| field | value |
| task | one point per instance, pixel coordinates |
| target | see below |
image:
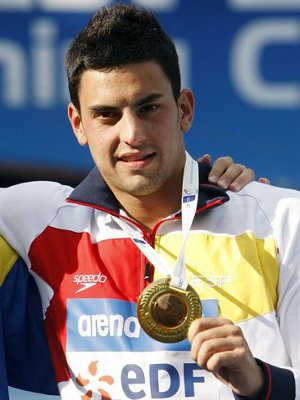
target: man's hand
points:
(228, 175)
(219, 346)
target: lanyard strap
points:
(189, 201)
(145, 247)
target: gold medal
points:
(165, 313)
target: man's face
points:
(133, 127)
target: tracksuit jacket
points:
(242, 257)
(25, 361)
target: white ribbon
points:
(189, 201)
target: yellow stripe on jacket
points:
(8, 257)
(241, 272)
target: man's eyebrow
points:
(148, 99)
(98, 108)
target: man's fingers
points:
(213, 338)
(229, 175)
(218, 169)
(235, 177)
(246, 175)
(264, 180)
(210, 351)
(206, 158)
(203, 324)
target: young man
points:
(25, 362)
(90, 248)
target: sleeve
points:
(287, 225)
(283, 381)
(24, 349)
(3, 376)
(25, 211)
(279, 384)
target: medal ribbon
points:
(189, 201)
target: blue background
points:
(261, 133)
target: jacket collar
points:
(94, 192)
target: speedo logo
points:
(87, 281)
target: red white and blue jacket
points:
(243, 258)
(25, 361)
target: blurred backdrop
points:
(241, 58)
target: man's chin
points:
(142, 188)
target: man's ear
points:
(76, 123)
(186, 104)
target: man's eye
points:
(107, 114)
(149, 108)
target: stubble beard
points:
(142, 185)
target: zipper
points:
(147, 271)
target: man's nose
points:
(132, 129)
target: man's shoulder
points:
(34, 192)
(26, 209)
(267, 193)
(271, 201)
(34, 186)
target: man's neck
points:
(149, 209)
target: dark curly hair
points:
(116, 36)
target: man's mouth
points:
(136, 157)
